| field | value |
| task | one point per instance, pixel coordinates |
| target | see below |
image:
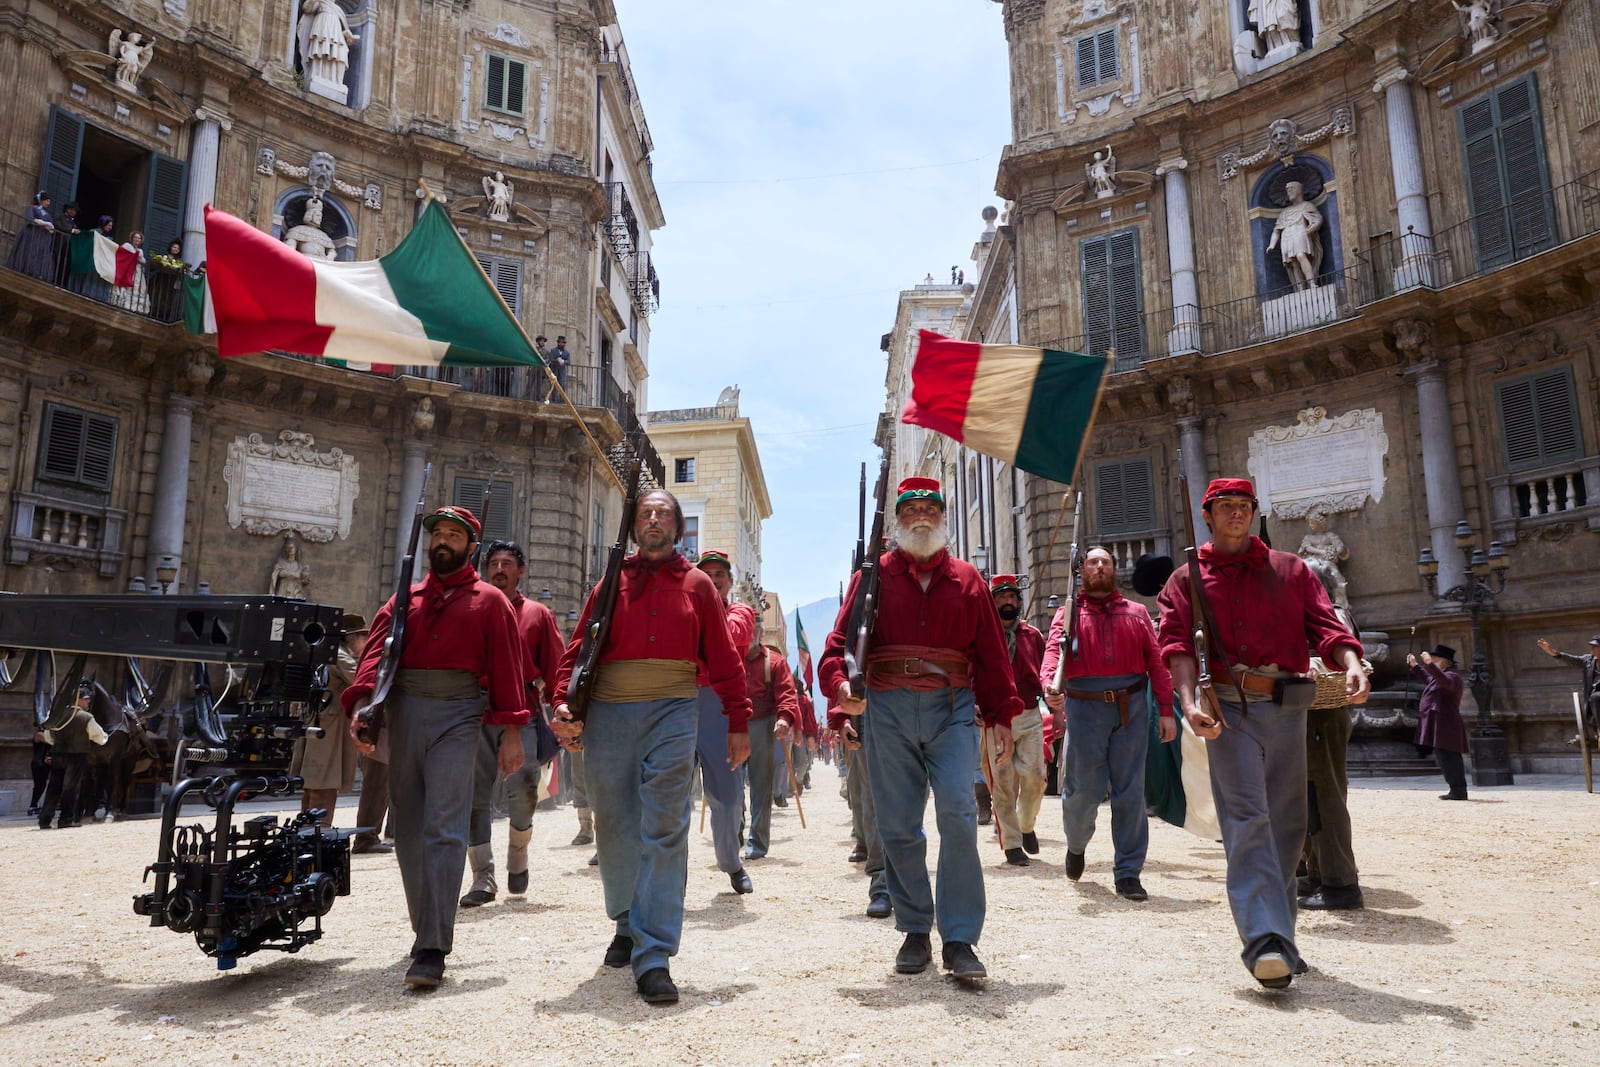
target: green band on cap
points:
(918, 494)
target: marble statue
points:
(1278, 22)
(1296, 233)
(291, 577)
(131, 56)
(1283, 135)
(1102, 172)
(1477, 17)
(1328, 547)
(498, 193)
(309, 238)
(325, 39)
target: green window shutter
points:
(77, 448)
(496, 518)
(1127, 303)
(1124, 497)
(62, 149)
(1095, 256)
(1096, 58)
(1539, 419)
(1106, 47)
(516, 86)
(494, 83)
(163, 205)
(506, 276)
(1088, 66)
(1508, 191)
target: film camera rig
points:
(263, 884)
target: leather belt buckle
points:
(908, 668)
(1109, 696)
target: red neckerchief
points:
(918, 567)
(641, 570)
(439, 588)
(1254, 555)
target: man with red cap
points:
(724, 785)
(1268, 608)
(1016, 786)
(935, 655)
(774, 714)
(458, 630)
(1104, 694)
(669, 628)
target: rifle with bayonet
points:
(1068, 641)
(1206, 643)
(864, 605)
(370, 719)
(581, 689)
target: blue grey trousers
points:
(864, 816)
(431, 748)
(1258, 779)
(639, 763)
(762, 771)
(522, 788)
(915, 741)
(724, 785)
(1100, 751)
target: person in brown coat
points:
(1439, 724)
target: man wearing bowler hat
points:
(458, 630)
(1439, 724)
(1268, 608)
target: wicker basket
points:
(1331, 685)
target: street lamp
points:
(166, 572)
(1485, 580)
(980, 560)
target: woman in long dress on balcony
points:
(32, 252)
(136, 296)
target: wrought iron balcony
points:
(622, 222)
(644, 287)
(157, 292)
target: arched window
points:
(337, 222)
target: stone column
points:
(203, 152)
(1192, 443)
(416, 458)
(1439, 472)
(171, 507)
(1413, 265)
(1185, 335)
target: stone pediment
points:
(1518, 23)
(85, 66)
(471, 209)
(1129, 183)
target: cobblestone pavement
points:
(1479, 944)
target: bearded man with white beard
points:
(936, 654)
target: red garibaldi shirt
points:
(741, 631)
(541, 641)
(1114, 637)
(1268, 606)
(770, 686)
(668, 610)
(808, 715)
(953, 619)
(457, 623)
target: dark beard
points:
(1010, 612)
(445, 560)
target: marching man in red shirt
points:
(774, 713)
(937, 643)
(1269, 611)
(1016, 786)
(458, 629)
(722, 783)
(639, 736)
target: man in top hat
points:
(1590, 665)
(505, 564)
(670, 628)
(327, 764)
(1268, 607)
(774, 714)
(459, 629)
(1439, 724)
(1105, 689)
(723, 784)
(1016, 786)
(936, 655)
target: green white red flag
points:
(1029, 407)
(427, 303)
(804, 652)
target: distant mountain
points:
(817, 618)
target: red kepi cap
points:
(1003, 583)
(1230, 487)
(456, 514)
(919, 489)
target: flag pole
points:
(554, 384)
(1077, 467)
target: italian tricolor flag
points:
(427, 303)
(1030, 407)
(95, 253)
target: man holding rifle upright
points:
(457, 630)
(936, 641)
(1256, 612)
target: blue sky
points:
(780, 281)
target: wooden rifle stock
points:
(1068, 641)
(581, 689)
(864, 606)
(370, 721)
(1205, 626)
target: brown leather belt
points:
(1255, 683)
(1119, 697)
(953, 672)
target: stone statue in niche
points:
(291, 577)
(1102, 173)
(1477, 22)
(1295, 234)
(325, 39)
(1278, 22)
(1328, 547)
(309, 238)
(497, 193)
(131, 56)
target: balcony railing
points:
(57, 526)
(644, 287)
(622, 222)
(157, 292)
(620, 67)
(1567, 492)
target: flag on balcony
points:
(1030, 407)
(95, 253)
(427, 303)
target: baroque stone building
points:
(1349, 248)
(128, 450)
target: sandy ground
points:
(1479, 944)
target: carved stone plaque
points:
(289, 485)
(1332, 463)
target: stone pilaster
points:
(203, 152)
(1439, 474)
(577, 50)
(1414, 266)
(1192, 445)
(411, 470)
(1180, 258)
(171, 505)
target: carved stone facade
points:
(1438, 315)
(164, 438)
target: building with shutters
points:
(126, 446)
(713, 467)
(1425, 356)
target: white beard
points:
(921, 542)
